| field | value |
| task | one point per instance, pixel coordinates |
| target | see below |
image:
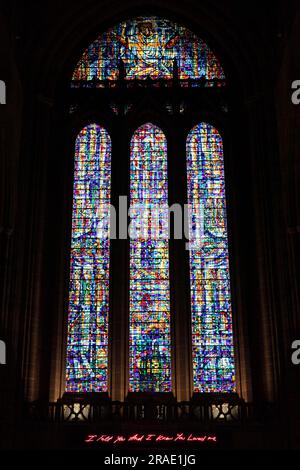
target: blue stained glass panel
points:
(212, 336)
(150, 336)
(87, 346)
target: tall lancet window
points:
(212, 338)
(87, 348)
(149, 337)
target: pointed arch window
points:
(87, 346)
(212, 337)
(150, 335)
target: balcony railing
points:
(218, 413)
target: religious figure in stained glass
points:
(146, 48)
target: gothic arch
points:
(245, 95)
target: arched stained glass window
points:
(87, 348)
(154, 55)
(212, 338)
(150, 337)
(148, 47)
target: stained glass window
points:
(148, 47)
(212, 338)
(150, 341)
(87, 352)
